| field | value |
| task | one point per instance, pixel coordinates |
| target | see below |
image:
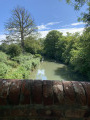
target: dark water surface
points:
(55, 71)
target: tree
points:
(20, 25)
(14, 50)
(77, 3)
(85, 17)
(32, 45)
(51, 43)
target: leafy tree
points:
(77, 3)
(4, 47)
(20, 25)
(70, 41)
(51, 43)
(81, 55)
(14, 50)
(32, 45)
(85, 16)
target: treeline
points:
(72, 49)
(31, 45)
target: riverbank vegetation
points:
(72, 49)
(18, 67)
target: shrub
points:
(14, 50)
(3, 69)
(3, 57)
(38, 55)
(22, 58)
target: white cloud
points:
(74, 24)
(64, 31)
(44, 27)
(2, 37)
(52, 23)
(79, 23)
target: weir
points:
(44, 100)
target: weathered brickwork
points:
(44, 100)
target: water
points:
(55, 71)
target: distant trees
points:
(51, 43)
(32, 45)
(20, 25)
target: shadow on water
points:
(67, 74)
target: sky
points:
(48, 15)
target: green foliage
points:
(73, 49)
(22, 58)
(38, 56)
(18, 67)
(14, 50)
(32, 45)
(3, 57)
(51, 43)
(81, 55)
(4, 47)
(3, 69)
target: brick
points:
(86, 86)
(69, 94)
(79, 93)
(14, 93)
(58, 92)
(4, 91)
(47, 92)
(25, 92)
(37, 92)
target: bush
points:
(3, 69)
(3, 57)
(4, 47)
(14, 50)
(38, 56)
(22, 58)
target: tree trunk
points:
(22, 42)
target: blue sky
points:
(48, 15)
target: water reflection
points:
(41, 74)
(55, 71)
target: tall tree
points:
(51, 43)
(20, 25)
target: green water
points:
(54, 71)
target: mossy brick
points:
(69, 94)
(47, 92)
(14, 92)
(25, 94)
(79, 93)
(37, 92)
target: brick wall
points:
(44, 100)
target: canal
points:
(48, 70)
